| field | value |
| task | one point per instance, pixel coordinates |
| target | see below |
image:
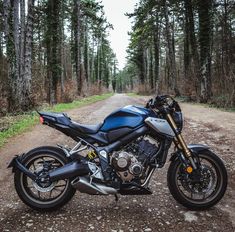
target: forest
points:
(182, 47)
(52, 51)
(56, 51)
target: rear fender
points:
(194, 148)
(16, 162)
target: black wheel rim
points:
(205, 190)
(46, 193)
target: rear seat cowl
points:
(61, 118)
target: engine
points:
(133, 160)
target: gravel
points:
(156, 212)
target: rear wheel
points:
(201, 189)
(43, 195)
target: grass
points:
(132, 94)
(139, 94)
(227, 109)
(207, 105)
(24, 122)
(76, 104)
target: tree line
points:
(53, 51)
(182, 47)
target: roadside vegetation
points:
(133, 94)
(14, 125)
(209, 105)
(184, 48)
(187, 100)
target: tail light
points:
(41, 119)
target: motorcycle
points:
(119, 156)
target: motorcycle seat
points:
(87, 129)
(63, 119)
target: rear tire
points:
(28, 194)
(180, 189)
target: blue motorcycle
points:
(119, 156)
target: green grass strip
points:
(133, 95)
(27, 121)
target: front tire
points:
(43, 196)
(198, 193)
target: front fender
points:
(194, 148)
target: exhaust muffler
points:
(84, 185)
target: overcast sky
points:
(114, 11)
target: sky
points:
(114, 11)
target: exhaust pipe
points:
(83, 185)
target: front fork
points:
(179, 141)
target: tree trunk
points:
(77, 42)
(53, 48)
(171, 51)
(22, 44)
(17, 49)
(63, 55)
(27, 83)
(6, 9)
(191, 58)
(141, 64)
(92, 61)
(205, 35)
(187, 55)
(100, 60)
(86, 53)
(151, 79)
(11, 9)
(156, 39)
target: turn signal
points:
(189, 169)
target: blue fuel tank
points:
(128, 116)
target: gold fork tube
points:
(179, 137)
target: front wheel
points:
(201, 189)
(47, 195)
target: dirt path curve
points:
(157, 212)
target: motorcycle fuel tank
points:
(128, 116)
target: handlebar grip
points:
(150, 103)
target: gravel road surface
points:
(157, 212)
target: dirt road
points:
(157, 212)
